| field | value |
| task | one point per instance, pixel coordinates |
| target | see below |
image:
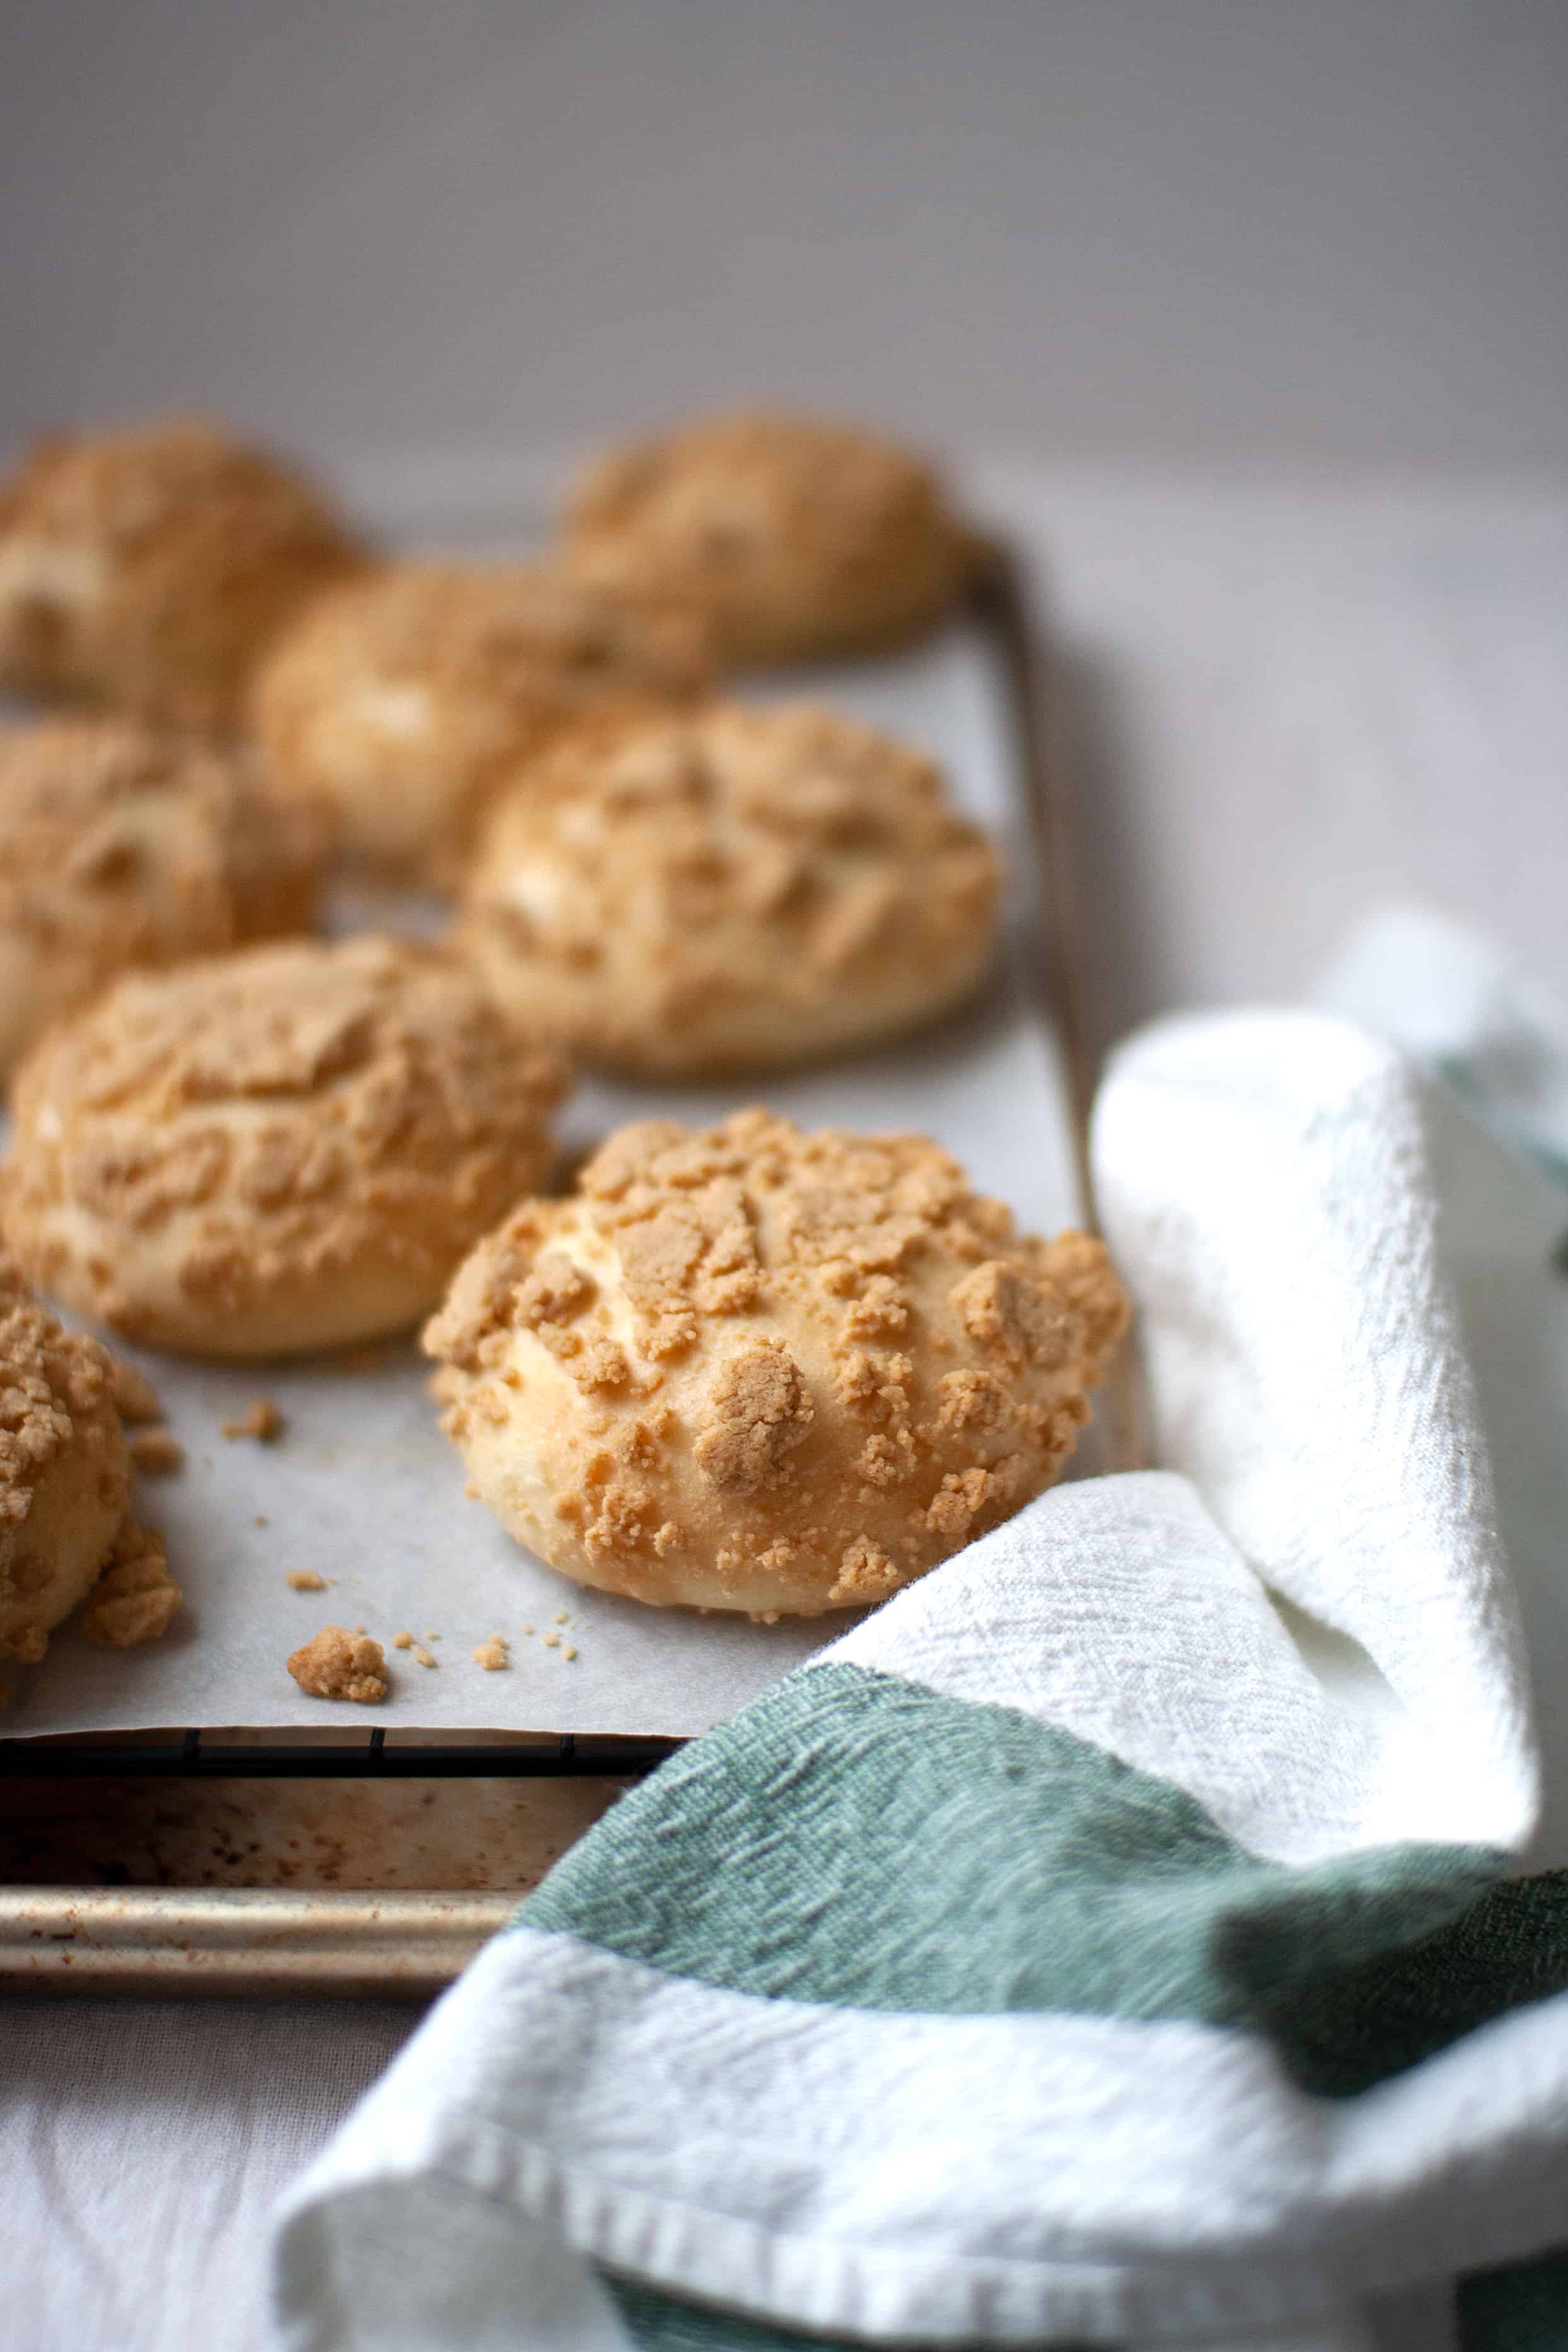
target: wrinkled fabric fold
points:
(1113, 1940)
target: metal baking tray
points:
(193, 1861)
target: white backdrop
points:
(1177, 227)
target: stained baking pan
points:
(278, 1858)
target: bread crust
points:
(686, 895)
(279, 1151)
(793, 537)
(396, 704)
(144, 571)
(124, 847)
(752, 1369)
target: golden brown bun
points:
(754, 1369)
(145, 570)
(791, 537)
(125, 847)
(396, 704)
(65, 1472)
(287, 1149)
(683, 895)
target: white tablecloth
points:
(1283, 701)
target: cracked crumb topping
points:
(52, 1382)
(752, 1367)
(792, 536)
(288, 1147)
(729, 886)
(65, 1475)
(136, 1598)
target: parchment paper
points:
(363, 1489)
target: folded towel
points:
(1118, 1938)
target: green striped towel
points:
(1122, 1938)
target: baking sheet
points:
(365, 1490)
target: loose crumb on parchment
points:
(493, 1654)
(135, 1398)
(157, 1453)
(305, 1580)
(424, 1657)
(263, 1421)
(403, 1639)
(342, 1665)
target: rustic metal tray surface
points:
(191, 1859)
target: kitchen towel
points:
(1138, 1932)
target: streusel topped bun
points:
(397, 703)
(65, 1472)
(286, 1148)
(145, 570)
(753, 1369)
(792, 537)
(728, 889)
(123, 847)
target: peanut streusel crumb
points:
(263, 1421)
(135, 1398)
(493, 1654)
(135, 1598)
(156, 1453)
(65, 1475)
(305, 1580)
(403, 1639)
(338, 1665)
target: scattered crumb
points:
(424, 1657)
(552, 1640)
(493, 1654)
(764, 1616)
(261, 1520)
(135, 1597)
(402, 1641)
(157, 1453)
(305, 1580)
(528, 1628)
(263, 1421)
(560, 1617)
(340, 1664)
(135, 1398)
(570, 1651)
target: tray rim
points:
(60, 1939)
